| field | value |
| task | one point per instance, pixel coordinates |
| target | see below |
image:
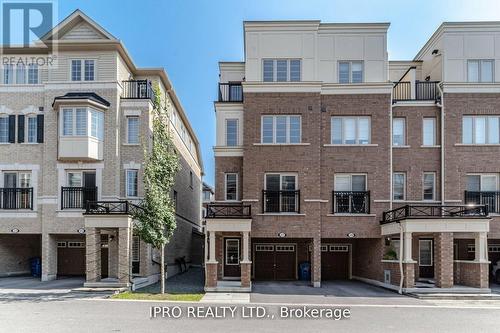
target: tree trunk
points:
(162, 269)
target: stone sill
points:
(472, 262)
(477, 145)
(434, 146)
(281, 144)
(401, 147)
(353, 215)
(350, 145)
(280, 214)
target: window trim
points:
(82, 69)
(127, 183)
(350, 71)
(26, 128)
(420, 252)
(479, 71)
(434, 132)
(356, 129)
(275, 69)
(433, 173)
(237, 131)
(225, 251)
(404, 185)
(350, 180)
(127, 130)
(486, 131)
(6, 117)
(481, 175)
(287, 130)
(89, 111)
(14, 76)
(282, 174)
(237, 186)
(404, 131)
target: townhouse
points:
(332, 157)
(73, 135)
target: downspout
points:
(401, 247)
(441, 105)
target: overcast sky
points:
(189, 38)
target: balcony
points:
(419, 91)
(351, 202)
(16, 198)
(138, 89)
(228, 211)
(121, 207)
(281, 201)
(77, 197)
(230, 92)
(491, 199)
(434, 212)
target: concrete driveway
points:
(331, 292)
(30, 288)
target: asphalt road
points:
(99, 315)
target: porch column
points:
(443, 256)
(113, 255)
(211, 257)
(124, 264)
(245, 264)
(481, 244)
(93, 254)
(211, 265)
(316, 263)
(49, 257)
(408, 262)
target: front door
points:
(89, 193)
(426, 258)
(232, 267)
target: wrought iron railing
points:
(16, 198)
(281, 201)
(138, 89)
(119, 207)
(228, 211)
(77, 197)
(351, 202)
(488, 198)
(230, 92)
(424, 91)
(434, 211)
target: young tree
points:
(155, 222)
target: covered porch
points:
(421, 243)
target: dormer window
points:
(82, 70)
(84, 121)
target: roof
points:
(91, 96)
(207, 187)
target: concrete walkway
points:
(228, 298)
(189, 282)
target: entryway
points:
(232, 251)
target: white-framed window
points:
(399, 131)
(471, 248)
(82, 70)
(350, 130)
(494, 248)
(74, 179)
(429, 131)
(429, 186)
(136, 246)
(264, 247)
(482, 182)
(399, 186)
(232, 251)
(82, 121)
(13, 179)
(350, 182)
(481, 130)
(231, 186)
(280, 182)
(324, 248)
(76, 244)
(61, 244)
(395, 244)
(8, 73)
(339, 248)
(33, 74)
(20, 74)
(131, 182)
(281, 70)
(285, 248)
(350, 71)
(281, 129)
(4, 129)
(231, 132)
(133, 129)
(31, 125)
(480, 70)
(425, 252)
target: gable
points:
(83, 30)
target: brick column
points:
(210, 274)
(409, 272)
(443, 257)
(93, 254)
(124, 265)
(316, 263)
(246, 271)
(49, 257)
(113, 255)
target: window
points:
(281, 70)
(398, 131)
(395, 244)
(206, 195)
(81, 121)
(33, 74)
(264, 248)
(281, 129)
(485, 182)
(281, 182)
(429, 132)
(350, 72)
(75, 122)
(191, 179)
(61, 244)
(20, 74)
(32, 128)
(231, 132)
(85, 71)
(89, 70)
(232, 251)
(339, 248)
(350, 130)
(429, 185)
(76, 244)
(481, 130)
(231, 186)
(76, 70)
(8, 74)
(347, 183)
(480, 70)
(4, 129)
(74, 179)
(425, 252)
(131, 183)
(399, 186)
(133, 130)
(285, 248)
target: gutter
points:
(441, 105)
(401, 247)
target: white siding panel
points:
(83, 31)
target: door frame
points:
(349, 263)
(224, 245)
(274, 251)
(431, 240)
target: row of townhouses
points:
(72, 140)
(330, 157)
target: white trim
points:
(287, 129)
(434, 192)
(478, 145)
(350, 215)
(315, 200)
(126, 183)
(228, 151)
(20, 214)
(281, 214)
(281, 144)
(400, 147)
(225, 186)
(414, 103)
(420, 252)
(350, 145)
(434, 131)
(404, 185)
(471, 87)
(350, 62)
(132, 165)
(356, 120)
(82, 68)
(127, 118)
(132, 113)
(31, 109)
(237, 131)
(250, 200)
(225, 251)
(356, 88)
(260, 87)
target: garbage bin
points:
(305, 271)
(36, 266)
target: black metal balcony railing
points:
(77, 197)
(230, 92)
(488, 198)
(351, 202)
(228, 211)
(111, 207)
(138, 89)
(16, 198)
(424, 91)
(434, 211)
(281, 201)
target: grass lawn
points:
(158, 297)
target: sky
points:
(188, 38)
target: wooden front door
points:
(232, 251)
(426, 258)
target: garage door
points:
(334, 262)
(275, 261)
(70, 258)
